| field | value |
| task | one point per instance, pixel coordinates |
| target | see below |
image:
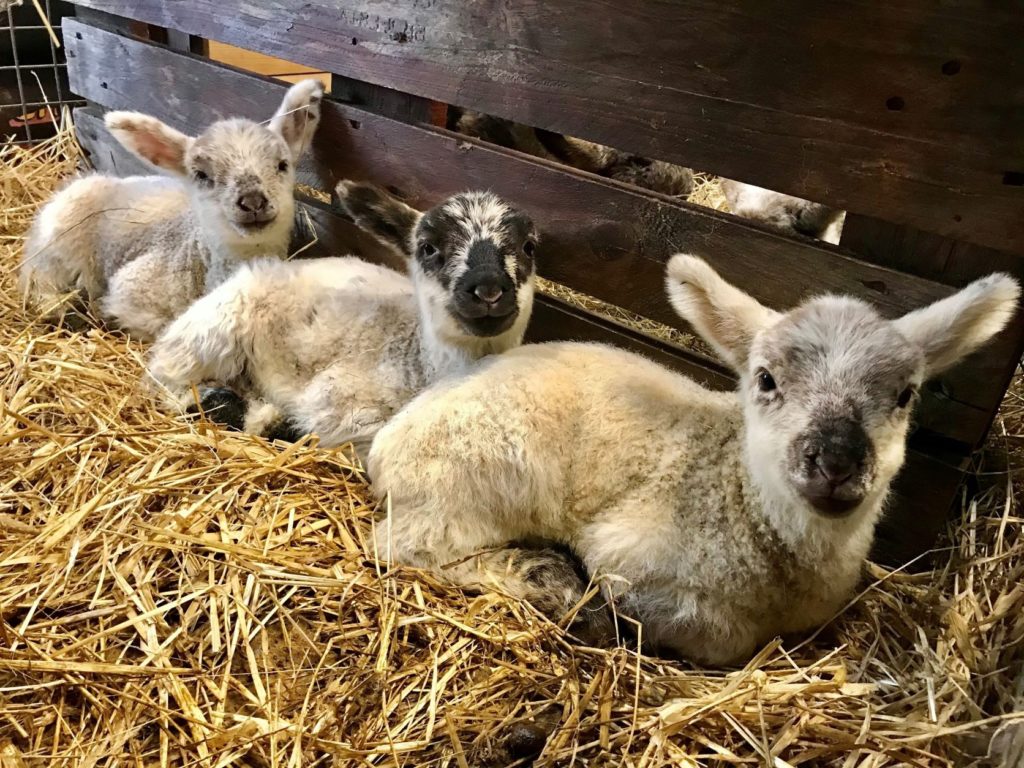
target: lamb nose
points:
(488, 293)
(252, 202)
(834, 468)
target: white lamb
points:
(336, 346)
(717, 519)
(137, 251)
(792, 215)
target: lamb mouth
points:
(255, 225)
(488, 325)
(833, 506)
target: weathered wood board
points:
(907, 110)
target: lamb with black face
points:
(480, 252)
(336, 346)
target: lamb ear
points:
(299, 115)
(385, 217)
(952, 328)
(150, 139)
(725, 316)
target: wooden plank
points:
(602, 238)
(380, 100)
(907, 110)
(924, 495)
(925, 254)
(101, 150)
(557, 320)
(954, 263)
(920, 500)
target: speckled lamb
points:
(717, 519)
(336, 346)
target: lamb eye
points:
(428, 251)
(905, 397)
(765, 382)
(529, 248)
(282, 167)
(202, 176)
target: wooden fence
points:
(910, 115)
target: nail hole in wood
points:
(78, 35)
(940, 389)
(957, 218)
(103, 85)
(951, 67)
(875, 285)
(355, 41)
(1013, 178)
(895, 103)
(355, 124)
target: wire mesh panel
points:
(33, 70)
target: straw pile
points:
(174, 595)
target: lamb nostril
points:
(488, 293)
(835, 469)
(252, 202)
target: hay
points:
(707, 191)
(174, 595)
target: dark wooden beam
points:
(383, 101)
(952, 262)
(908, 110)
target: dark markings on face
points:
(480, 251)
(813, 352)
(522, 235)
(448, 228)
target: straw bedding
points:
(174, 595)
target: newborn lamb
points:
(336, 346)
(137, 251)
(717, 519)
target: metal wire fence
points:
(33, 70)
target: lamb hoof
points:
(222, 406)
(75, 322)
(286, 431)
(593, 625)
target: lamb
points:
(791, 215)
(336, 346)
(717, 519)
(137, 251)
(787, 214)
(628, 168)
